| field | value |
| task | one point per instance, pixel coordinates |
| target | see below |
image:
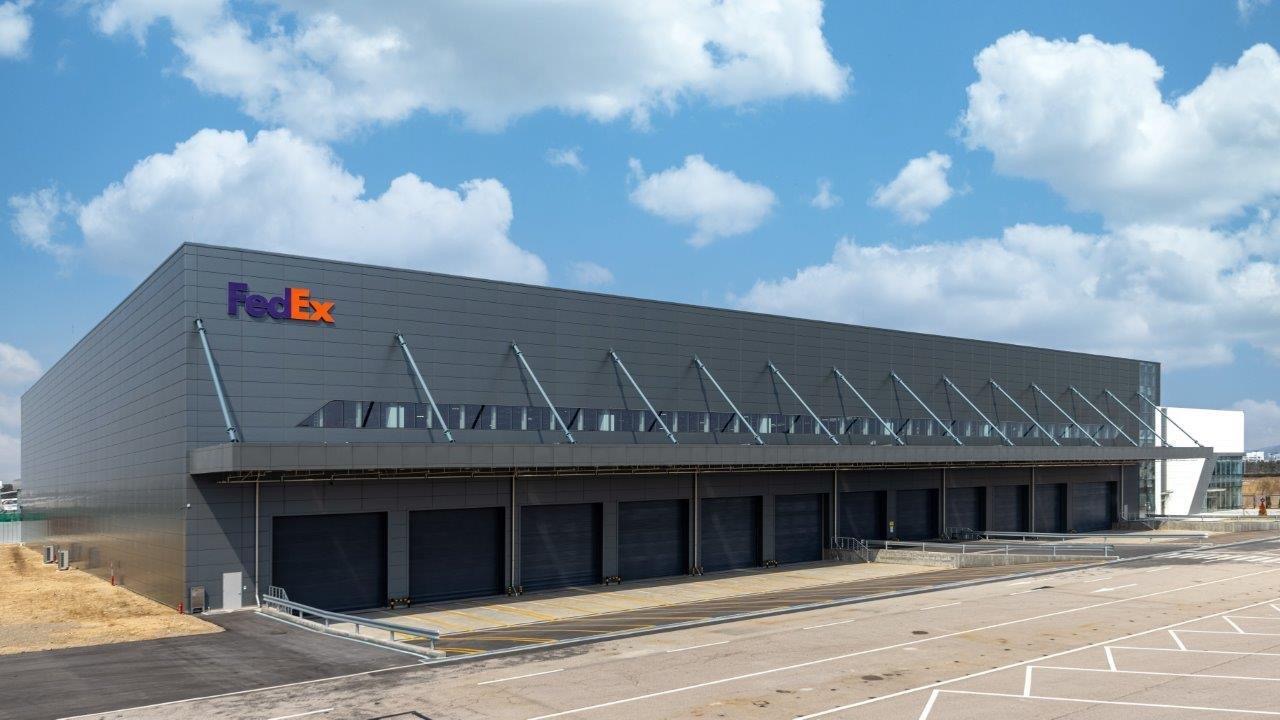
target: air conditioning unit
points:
(64, 559)
(50, 554)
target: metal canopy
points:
(232, 432)
(618, 361)
(408, 356)
(927, 409)
(1104, 417)
(1065, 414)
(982, 415)
(879, 419)
(1023, 410)
(1136, 416)
(554, 412)
(1166, 417)
(777, 373)
(741, 418)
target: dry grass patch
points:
(42, 608)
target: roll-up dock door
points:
(730, 533)
(560, 546)
(862, 514)
(333, 562)
(1051, 508)
(917, 514)
(1093, 505)
(1010, 508)
(456, 553)
(798, 528)
(653, 538)
(966, 508)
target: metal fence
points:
(276, 599)
(16, 531)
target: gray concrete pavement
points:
(881, 659)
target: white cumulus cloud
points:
(17, 366)
(37, 218)
(1088, 118)
(1261, 423)
(919, 189)
(567, 157)
(15, 28)
(716, 202)
(326, 68)
(1176, 295)
(825, 199)
(279, 192)
(588, 274)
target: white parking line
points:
(695, 647)
(1118, 587)
(908, 643)
(838, 622)
(303, 714)
(1123, 703)
(935, 607)
(1108, 577)
(520, 677)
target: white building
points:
(1186, 487)
(1255, 456)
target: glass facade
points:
(1226, 485)
(1148, 387)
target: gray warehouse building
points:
(354, 433)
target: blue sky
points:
(1094, 194)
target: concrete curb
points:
(775, 612)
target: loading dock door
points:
(862, 514)
(1051, 508)
(1094, 505)
(653, 538)
(797, 528)
(730, 533)
(917, 515)
(1010, 509)
(560, 545)
(456, 553)
(333, 562)
(966, 508)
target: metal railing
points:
(277, 599)
(1030, 536)
(1102, 550)
(856, 546)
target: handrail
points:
(1026, 536)
(328, 617)
(1067, 549)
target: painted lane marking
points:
(1117, 587)
(1021, 582)
(303, 714)
(1108, 577)
(520, 677)
(695, 647)
(982, 673)
(907, 644)
(838, 622)
(935, 607)
(1024, 592)
(1122, 703)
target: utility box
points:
(64, 559)
(197, 599)
(50, 554)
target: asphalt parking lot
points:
(881, 658)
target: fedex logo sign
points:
(295, 304)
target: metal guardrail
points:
(327, 618)
(1027, 536)
(1051, 549)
